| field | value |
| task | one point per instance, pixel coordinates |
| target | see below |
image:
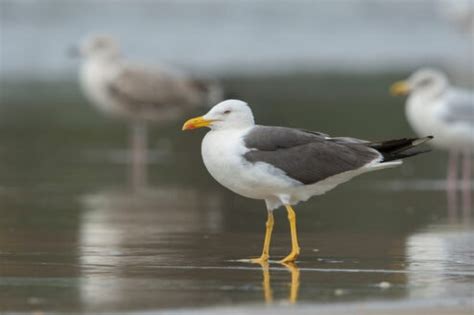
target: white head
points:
(427, 81)
(100, 46)
(229, 114)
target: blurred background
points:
(75, 237)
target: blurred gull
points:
(459, 12)
(138, 93)
(285, 166)
(437, 108)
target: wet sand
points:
(75, 238)
(367, 308)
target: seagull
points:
(138, 93)
(459, 12)
(285, 166)
(437, 108)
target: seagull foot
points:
(290, 258)
(260, 260)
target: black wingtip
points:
(418, 141)
(401, 148)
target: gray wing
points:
(306, 156)
(458, 107)
(140, 86)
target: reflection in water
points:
(267, 288)
(294, 283)
(136, 160)
(171, 247)
(131, 255)
(434, 256)
(457, 211)
(121, 230)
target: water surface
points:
(74, 237)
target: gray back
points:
(306, 156)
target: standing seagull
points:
(284, 166)
(138, 94)
(459, 12)
(434, 107)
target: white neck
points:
(433, 91)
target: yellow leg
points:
(266, 243)
(295, 248)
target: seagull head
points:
(229, 114)
(425, 80)
(99, 46)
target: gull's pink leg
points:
(466, 193)
(138, 139)
(452, 177)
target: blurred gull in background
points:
(437, 108)
(139, 93)
(459, 12)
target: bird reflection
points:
(267, 288)
(121, 232)
(436, 260)
(294, 283)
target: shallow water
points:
(73, 236)
(174, 248)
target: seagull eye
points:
(99, 44)
(426, 81)
(227, 112)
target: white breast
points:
(95, 77)
(222, 153)
(420, 115)
(424, 115)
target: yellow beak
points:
(400, 88)
(195, 123)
